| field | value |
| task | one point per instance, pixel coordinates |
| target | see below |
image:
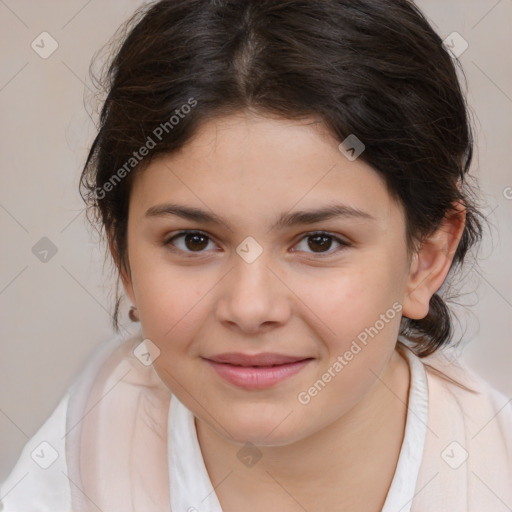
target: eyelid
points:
(340, 240)
(168, 239)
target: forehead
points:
(252, 165)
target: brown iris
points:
(196, 241)
(319, 243)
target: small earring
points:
(134, 317)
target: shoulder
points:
(45, 473)
(467, 457)
(453, 379)
(455, 388)
(39, 476)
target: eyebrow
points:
(285, 220)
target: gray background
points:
(54, 314)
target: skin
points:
(197, 299)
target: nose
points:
(253, 297)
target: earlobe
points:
(431, 262)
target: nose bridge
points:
(254, 276)
(252, 294)
(252, 261)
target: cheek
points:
(362, 310)
(359, 312)
(170, 300)
(173, 307)
(349, 300)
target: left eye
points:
(320, 242)
(196, 241)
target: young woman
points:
(283, 187)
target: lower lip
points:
(249, 377)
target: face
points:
(248, 274)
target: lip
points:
(261, 359)
(258, 371)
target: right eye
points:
(189, 241)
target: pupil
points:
(195, 239)
(320, 240)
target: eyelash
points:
(310, 234)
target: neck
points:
(352, 460)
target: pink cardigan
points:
(467, 462)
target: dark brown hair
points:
(373, 68)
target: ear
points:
(125, 277)
(431, 262)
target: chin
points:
(262, 438)
(260, 430)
